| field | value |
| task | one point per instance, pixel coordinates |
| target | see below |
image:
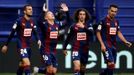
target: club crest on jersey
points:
(50, 28)
(23, 24)
(27, 32)
(31, 24)
(54, 34)
(116, 24)
(112, 30)
(76, 28)
(108, 24)
(81, 36)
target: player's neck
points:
(26, 17)
(51, 22)
(111, 18)
(81, 22)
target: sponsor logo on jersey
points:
(54, 34)
(81, 36)
(27, 32)
(112, 30)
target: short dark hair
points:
(88, 16)
(113, 5)
(25, 6)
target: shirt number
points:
(75, 53)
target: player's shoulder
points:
(19, 19)
(101, 21)
(73, 25)
(116, 20)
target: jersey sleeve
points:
(36, 33)
(90, 31)
(89, 28)
(100, 26)
(118, 28)
(69, 37)
(14, 28)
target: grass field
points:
(71, 74)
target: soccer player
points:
(62, 19)
(107, 31)
(49, 31)
(24, 27)
(79, 33)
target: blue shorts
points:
(50, 59)
(25, 53)
(83, 57)
(110, 55)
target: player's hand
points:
(129, 44)
(45, 9)
(65, 52)
(4, 49)
(64, 7)
(103, 48)
(39, 43)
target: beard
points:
(29, 15)
(82, 20)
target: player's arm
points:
(66, 42)
(90, 32)
(66, 10)
(122, 38)
(98, 34)
(4, 48)
(37, 36)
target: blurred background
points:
(10, 10)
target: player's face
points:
(112, 12)
(82, 16)
(50, 15)
(28, 11)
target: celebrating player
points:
(80, 34)
(107, 31)
(24, 27)
(61, 19)
(49, 31)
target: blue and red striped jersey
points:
(79, 38)
(109, 29)
(24, 29)
(49, 36)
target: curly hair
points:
(76, 14)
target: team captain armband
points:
(81, 36)
(54, 34)
(27, 32)
(112, 30)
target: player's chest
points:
(81, 34)
(52, 32)
(26, 29)
(111, 28)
